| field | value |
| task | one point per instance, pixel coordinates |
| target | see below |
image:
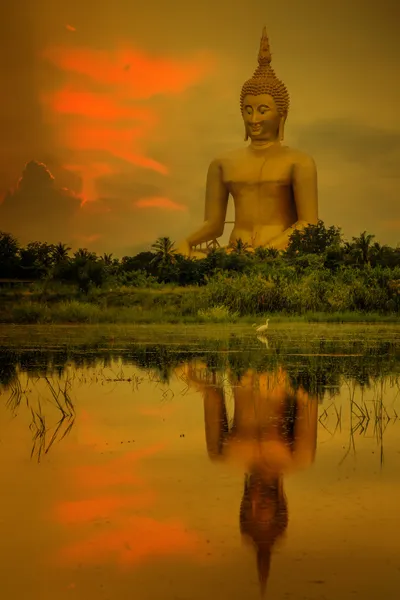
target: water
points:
(211, 471)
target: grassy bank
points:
(80, 312)
(239, 299)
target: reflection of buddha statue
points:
(274, 187)
(273, 432)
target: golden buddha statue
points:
(274, 187)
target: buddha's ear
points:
(246, 135)
(281, 130)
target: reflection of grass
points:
(17, 393)
(40, 430)
(44, 435)
(119, 337)
(64, 405)
(315, 359)
(321, 375)
(365, 416)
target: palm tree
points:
(84, 255)
(363, 243)
(164, 257)
(60, 252)
(9, 249)
(107, 259)
(272, 252)
(261, 252)
(164, 251)
(352, 254)
(239, 247)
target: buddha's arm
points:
(306, 198)
(215, 207)
(305, 442)
(216, 422)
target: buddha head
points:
(263, 518)
(264, 100)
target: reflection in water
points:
(272, 432)
(128, 498)
(264, 340)
(43, 434)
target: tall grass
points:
(319, 295)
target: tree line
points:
(315, 248)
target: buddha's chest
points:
(256, 170)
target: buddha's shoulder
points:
(298, 156)
(230, 155)
(294, 155)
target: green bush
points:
(74, 311)
(30, 313)
(217, 314)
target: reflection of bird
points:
(261, 327)
(264, 340)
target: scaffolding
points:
(210, 244)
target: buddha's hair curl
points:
(264, 80)
(274, 88)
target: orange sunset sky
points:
(128, 102)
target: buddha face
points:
(261, 118)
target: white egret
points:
(261, 327)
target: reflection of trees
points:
(8, 368)
(158, 358)
(318, 367)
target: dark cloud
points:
(359, 172)
(63, 176)
(38, 209)
(353, 142)
(127, 187)
(23, 133)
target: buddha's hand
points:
(184, 248)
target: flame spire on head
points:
(264, 54)
(264, 80)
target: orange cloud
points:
(93, 113)
(91, 105)
(87, 239)
(131, 538)
(135, 541)
(114, 472)
(96, 508)
(159, 202)
(118, 142)
(133, 73)
(92, 172)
